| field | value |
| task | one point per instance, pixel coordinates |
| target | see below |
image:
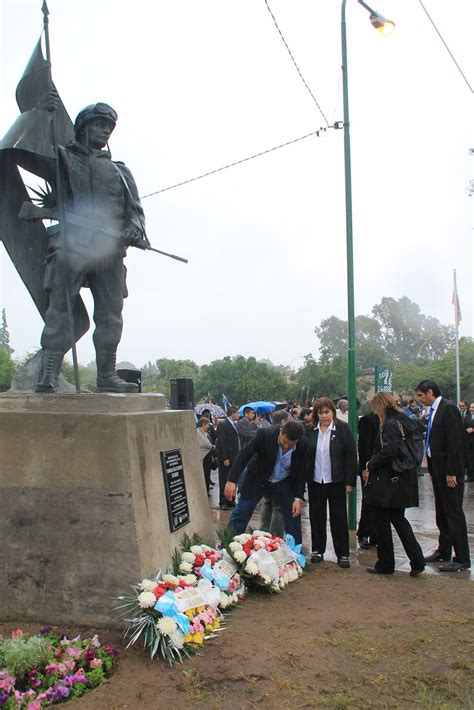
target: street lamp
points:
(385, 27)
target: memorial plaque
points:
(175, 488)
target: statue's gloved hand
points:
(49, 102)
(135, 238)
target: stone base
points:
(83, 511)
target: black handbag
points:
(385, 490)
(406, 458)
(394, 489)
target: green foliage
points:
(7, 369)
(324, 378)
(20, 655)
(4, 334)
(244, 380)
(156, 376)
(442, 370)
(408, 334)
(397, 332)
(87, 374)
(95, 677)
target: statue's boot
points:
(107, 378)
(52, 361)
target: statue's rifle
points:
(59, 199)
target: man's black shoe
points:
(225, 506)
(374, 570)
(344, 562)
(454, 567)
(317, 557)
(416, 571)
(438, 557)
(364, 543)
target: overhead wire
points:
(446, 46)
(336, 125)
(243, 160)
(295, 63)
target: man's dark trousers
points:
(285, 494)
(450, 518)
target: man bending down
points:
(275, 460)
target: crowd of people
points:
(296, 454)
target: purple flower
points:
(59, 693)
(88, 654)
(3, 698)
(45, 630)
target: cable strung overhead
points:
(317, 133)
(296, 65)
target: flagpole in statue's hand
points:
(51, 103)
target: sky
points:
(198, 85)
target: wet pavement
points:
(422, 520)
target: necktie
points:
(428, 431)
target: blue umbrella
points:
(259, 407)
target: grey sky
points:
(201, 83)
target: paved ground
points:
(422, 520)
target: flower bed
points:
(47, 668)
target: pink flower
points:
(95, 663)
(95, 641)
(18, 634)
(74, 652)
(34, 705)
(7, 682)
(52, 668)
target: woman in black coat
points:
(331, 474)
(390, 492)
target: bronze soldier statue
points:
(99, 215)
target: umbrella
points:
(214, 409)
(260, 407)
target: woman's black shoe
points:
(416, 571)
(374, 570)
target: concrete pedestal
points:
(83, 512)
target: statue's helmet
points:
(99, 110)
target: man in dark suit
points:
(445, 454)
(275, 460)
(368, 427)
(228, 446)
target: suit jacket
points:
(342, 452)
(247, 430)
(260, 457)
(227, 442)
(447, 443)
(368, 428)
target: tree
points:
(328, 379)
(87, 374)
(156, 376)
(244, 380)
(7, 368)
(406, 376)
(408, 334)
(397, 332)
(333, 338)
(4, 335)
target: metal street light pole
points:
(385, 27)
